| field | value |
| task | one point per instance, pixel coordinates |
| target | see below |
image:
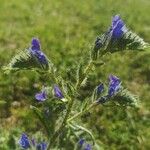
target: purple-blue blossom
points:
(88, 147)
(117, 27)
(57, 92)
(41, 146)
(35, 44)
(24, 141)
(114, 85)
(100, 88)
(81, 142)
(42, 96)
(35, 50)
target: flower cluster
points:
(113, 89)
(25, 143)
(115, 31)
(35, 50)
(35, 58)
(42, 96)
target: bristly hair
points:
(117, 38)
(31, 58)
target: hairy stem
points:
(58, 132)
(82, 112)
(86, 71)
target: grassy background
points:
(67, 29)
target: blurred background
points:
(67, 30)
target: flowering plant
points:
(59, 106)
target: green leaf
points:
(42, 119)
(128, 41)
(126, 98)
(2, 102)
(24, 60)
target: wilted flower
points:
(41, 146)
(100, 88)
(42, 96)
(35, 50)
(117, 28)
(57, 92)
(114, 85)
(24, 141)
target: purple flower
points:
(42, 96)
(57, 92)
(35, 45)
(117, 27)
(100, 88)
(35, 50)
(88, 147)
(24, 141)
(81, 142)
(41, 146)
(114, 85)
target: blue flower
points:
(57, 92)
(35, 45)
(114, 85)
(117, 27)
(100, 88)
(81, 142)
(24, 141)
(35, 50)
(42, 96)
(88, 147)
(41, 146)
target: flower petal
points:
(57, 92)
(42, 96)
(41, 146)
(100, 88)
(24, 141)
(114, 85)
(35, 44)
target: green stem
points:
(86, 71)
(57, 133)
(82, 112)
(88, 67)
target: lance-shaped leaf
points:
(126, 98)
(31, 58)
(117, 38)
(42, 119)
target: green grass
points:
(67, 29)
